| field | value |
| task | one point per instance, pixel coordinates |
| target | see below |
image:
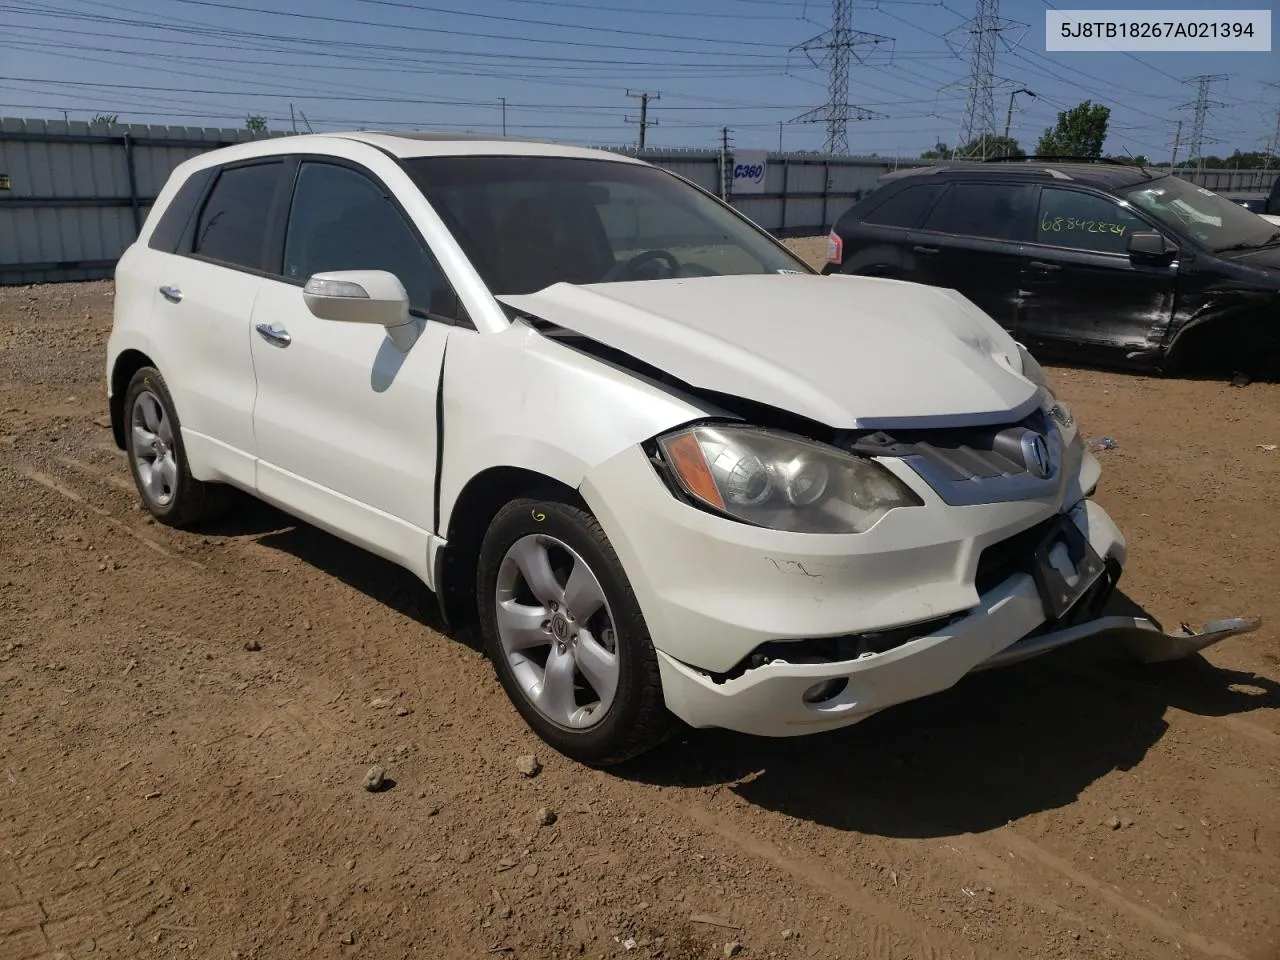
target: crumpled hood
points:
(849, 352)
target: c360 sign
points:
(749, 168)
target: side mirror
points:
(1150, 247)
(363, 296)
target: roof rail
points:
(1049, 158)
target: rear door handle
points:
(1041, 267)
(922, 249)
(172, 294)
(278, 336)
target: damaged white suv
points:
(666, 468)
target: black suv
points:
(1099, 262)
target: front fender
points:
(520, 399)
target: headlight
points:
(1054, 407)
(781, 481)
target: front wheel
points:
(566, 635)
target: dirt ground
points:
(186, 718)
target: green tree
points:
(988, 145)
(1080, 132)
(255, 124)
(105, 119)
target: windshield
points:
(528, 222)
(1208, 218)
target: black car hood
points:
(1265, 260)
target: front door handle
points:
(170, 293)
(918, 248)
(1041, 267)
(278, 336)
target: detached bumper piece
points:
(1143, 639)
(1074, 606)
(1147, 643)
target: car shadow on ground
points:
(379, 579)
(1000, 745)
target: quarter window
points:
(1082, 221)
(343, 220)
(904, 209)
(173, 221)
(232, 227)
(992, 211)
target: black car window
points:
(173, 221)
(905, 208)
(992, 211)
(233, 224)
(343, 220)
(1083, 221)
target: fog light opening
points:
(825, 690)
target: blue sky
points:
(564, 68)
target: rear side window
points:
(992, 211)
(1085, 222)
(232, 227)
(905, 208)
(173, 222)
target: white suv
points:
(665, 468)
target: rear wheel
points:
(566, 635)
(158, 460)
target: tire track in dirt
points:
(891, 927)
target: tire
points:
(170, 493)
(635, 718)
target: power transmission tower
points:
(977, 36)
(1201, 106)
(1177, 142)
(643, 120)
(833, 49)
(1273, 142)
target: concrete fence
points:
(72, 197)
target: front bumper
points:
(712, 591)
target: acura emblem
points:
(1035, 453)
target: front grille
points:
(1001, 560)
(969, 465)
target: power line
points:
(838, 45)
(210, 30)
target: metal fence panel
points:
(76, 195)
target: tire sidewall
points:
(634, 647)
(148, 379)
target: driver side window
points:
(343, 220)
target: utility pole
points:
(503, 101)
(1201, 107)
(779, 136)
(1177, 142)
(293, 121)
(1273, 146)
(725, 178)
(644, 120)
(1008, 117)
(837, 45)
(977, 36)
